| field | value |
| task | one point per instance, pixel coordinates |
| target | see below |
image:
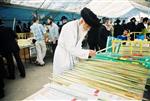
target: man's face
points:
(64, 21)
(125, 32)
(37, 21)
(145, 22)
(49, 21)
(86, 27)
(109, 23)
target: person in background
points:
(10, 48)
(2, 69)
(148, 29)
(2, 75)
(131, 26)
(124, 36)
(19, 28)
(141, 26)
(103, 20)
(105, 31)
(25, 28)
(141, 19)
(28, 26)
(118, 29)
(124, 25)
(53, 33)
(69, 49)
(63, 20)
(39, 39)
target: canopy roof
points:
(67, 5)
(108, 8)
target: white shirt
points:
(53, 33)
(69, 48)
(38, 31)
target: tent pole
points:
(14, 24)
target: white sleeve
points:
(70, 40)
(42, 29)
(31, 30)
(56, 32)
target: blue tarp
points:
(25, 14)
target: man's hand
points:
(92, 53)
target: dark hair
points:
(105, 20)
(126, 30)
(64, 18)
(35, 19)
(145, 19)
(50, 18)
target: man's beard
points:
(50, 23)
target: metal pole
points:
(14, 24)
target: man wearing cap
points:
(64, 20)
(69, 47)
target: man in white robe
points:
(70, 40)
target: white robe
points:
(69, 48)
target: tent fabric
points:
(107, 8)
(113, 8)
(117, 8)
(66, 5)
(58, 8)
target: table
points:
(25, 45)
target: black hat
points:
(145, 19)
(133, 19)
(117, 21)
(89, 17)
(64, 18)
(1, 22)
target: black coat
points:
(132, 26)
(93, 35)
(92, 38)
(8, 41)
(140, 27)
(118, 30)
(103, 34)
(19, 28)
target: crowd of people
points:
(97, 37)
(10, 49)
(66, 41)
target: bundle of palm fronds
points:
(127, 80)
